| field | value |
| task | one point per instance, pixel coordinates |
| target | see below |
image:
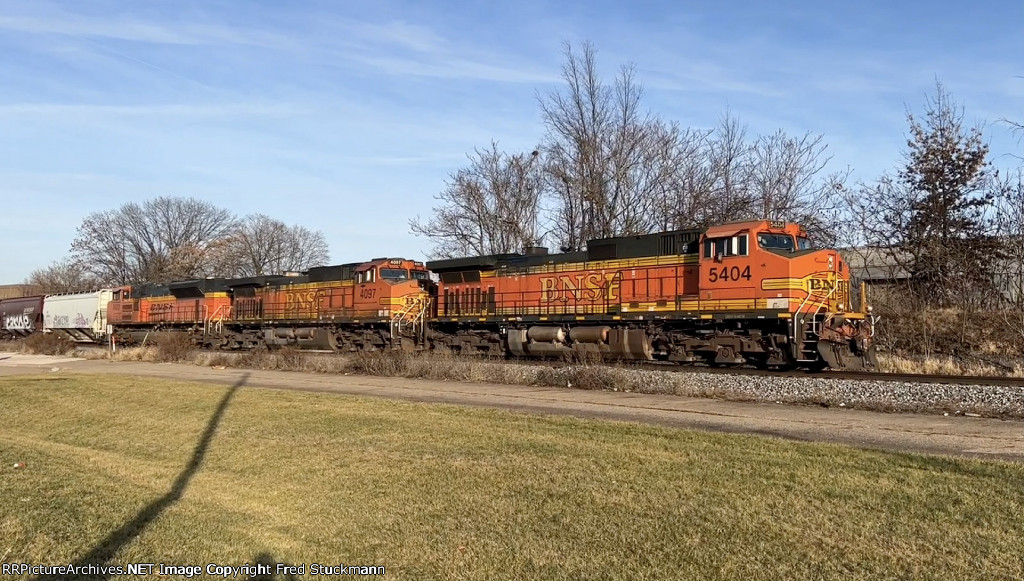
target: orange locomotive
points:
(149, 307)
(746, 292)
(356, 306)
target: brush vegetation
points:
(119, 467)
(46, 344)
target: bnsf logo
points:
(21, 322)
(588, 287)
(825, 286)
(302, 299)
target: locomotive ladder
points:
(815, 326)
(413, 317)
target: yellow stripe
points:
(311, 285)
(782, 284)
(614, 264)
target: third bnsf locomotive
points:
(753, 292)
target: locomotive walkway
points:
(952, 435)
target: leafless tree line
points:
(608, 167)
(174, 238)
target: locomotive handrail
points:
(822, 302)
(417, 320)
(210, 320)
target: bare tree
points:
(63, 276)
(729, 197)
(608, 161)
(261, 245)
(723, 176)
(1010, 273)
(787, 183)
(158, 240)
(686, 193)
(490, 207)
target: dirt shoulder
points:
(960, 436)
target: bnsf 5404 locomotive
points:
(748, 292)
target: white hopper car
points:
(81, 317)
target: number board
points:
(729, 273)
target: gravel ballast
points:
(988, 400)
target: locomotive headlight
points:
(870, 308)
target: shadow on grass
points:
(105, 550)
(269, 561)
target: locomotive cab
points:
(773, 269)
(393, 287)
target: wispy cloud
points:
(56, 21)
(402, 49)
(396, 33)
(66, 112)
(451, 68)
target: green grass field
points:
(124, 470)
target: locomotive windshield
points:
(779, 241)
(394, 274)
(421, 275)
(804, 243)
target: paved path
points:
(962, 436)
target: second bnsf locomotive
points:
(752, 292)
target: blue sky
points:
(348, 116)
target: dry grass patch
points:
(439, 492)
(12, 346)
(945, 365)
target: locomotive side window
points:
(732, 246)
(779, 241)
